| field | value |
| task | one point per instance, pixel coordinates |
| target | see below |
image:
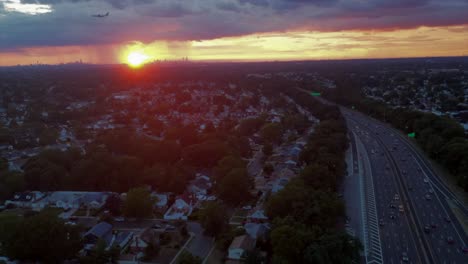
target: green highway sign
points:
(315, 93)
(412, 135)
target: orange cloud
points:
(295, 45)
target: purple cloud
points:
(149, 20)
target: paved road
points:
(200, 244)
(396, 169)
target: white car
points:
(426, 180)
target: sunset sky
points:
(56, 31)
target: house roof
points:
(100, 230)
(80, 197)
(23, 197)
(202, 183)
(243, 242)
(256, 230)
(121, 238)
(259, 214)
(162, 199)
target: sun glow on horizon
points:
(137, 59)
(137, 54)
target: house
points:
(200, 185)
(180, 209)
(257, 231)
(161, 200)
(239, 246)
(103, 232)
(25, 199)
(73, 200)
(100, 232)
(279, 184)
(141, 241)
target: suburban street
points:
(403, 204)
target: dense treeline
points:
(307, 212)
(119, 160)
(40, 237)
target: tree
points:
(214, 218)
(11, 182)
(187, 258)
(151, 251)
(268, 169)
(267, 149)
(272, 133)
(249, 126)
(289, 243)
(28, 236)
(226, 164)
(234, 188)
(114, 204)
(3, 164)
(318, 177)
(138, 204)
(333, 248)
(205, 154)
(253, 257)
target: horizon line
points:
(214, 61)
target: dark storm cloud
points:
(148, 20)
(119, 4)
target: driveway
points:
(200, 244)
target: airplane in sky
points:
(101, 15)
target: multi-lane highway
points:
(405, 209)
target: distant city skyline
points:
(61, 31)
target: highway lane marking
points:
(370, 206)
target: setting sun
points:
(137, 59)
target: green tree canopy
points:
(272, 132)
(138, 204)
(43, 237)
(214, 218)
(234, 188)
(186, 258)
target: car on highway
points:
(426, 180)
(396, 197)
(447, 219)
(392, 205)
(433, 225)
(427, 229)
(464, 249)
(404, 257)
(400, 208)
(450, 240)
(427, 197)
(431, 191)
(381, 222)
